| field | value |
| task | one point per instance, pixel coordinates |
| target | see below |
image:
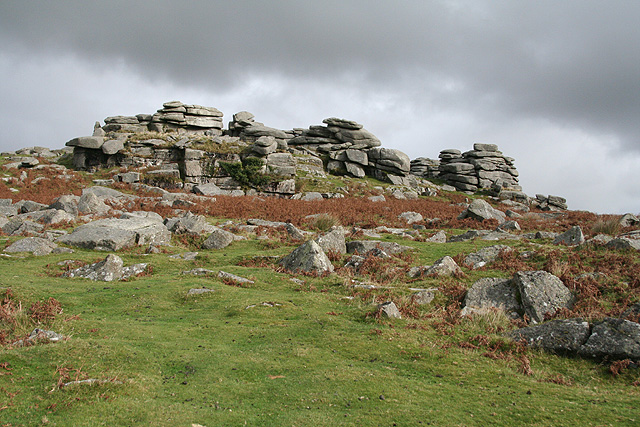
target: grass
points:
(310, 356)
(279, 352)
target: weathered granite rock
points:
(613, 339)
(439, 237)
(443, 267)
(333, 241)
(89, 203)
(485, 255)
(410, 217)
(234, 278)
(188, 223)
(621, 243)
(564, 336)
(542, 293)
(108, 270)
(364, 246)
(424, 296)
(94, 142)
(218, 239)
(571, 237)
(114, 234)
(307, 258)
(389, 309)
(67, 203)
(481, 210)
(492, 293)
(629, 220)
(36, 245)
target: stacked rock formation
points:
(246, 128)
(174, 116)
(425, 167)
(483, 167)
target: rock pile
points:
(549, 203)
(425, 167)
(483, 167)
(176, 116)
(246, 128)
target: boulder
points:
(234, 278)
(188, 223)
(564, 336)
(423, 296)
(307, 258)
(492, 293)
(114, 234)
(209, 189)
(112, 146)
(443, 267)
(36, 245)
(364, 246)
(481, 210)
(218, 239)
(390, 310)
(333, 241)
(439, 237)
(621, 243)
(629, 220)
(410, 217)
(67, 203)
(485, 255)
(108, 270)
(571, 237)
(613, 339)
(93, 142)
(541, 293)
(89, 203)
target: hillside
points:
(190, 275)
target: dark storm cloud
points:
(572, 61)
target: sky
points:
(555, 84)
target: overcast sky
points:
(556, 84)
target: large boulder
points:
(542, 293)
(481, 210)
(188, 224)
(89, 203)
(36, 245)
(307, 258)
(114, 234)
(564, 336)
(491, 293)
(390, 160)
(218, 239)
(571, 237)
(613, 339)
(333, 241)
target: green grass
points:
(313, 358)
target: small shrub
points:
(324, 222)
(609, 226)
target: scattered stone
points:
(571, 237)
(114, 234)
(364, 246)
(564, 336)
(490, 294)
(187, 256)
(410, 217)
(485, 255)
(481, 210)
(439, 237)
(333, 241)
(36, 245)
(234, 278)
(390, 310)
(443, 267)
(613, 339)
(542, 293)
(199, 272)
(308, 258)
(218, 239)
(424, 296)
(188, 223)
(107, 270)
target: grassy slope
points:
(315, 359)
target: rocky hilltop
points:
(186, 145)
